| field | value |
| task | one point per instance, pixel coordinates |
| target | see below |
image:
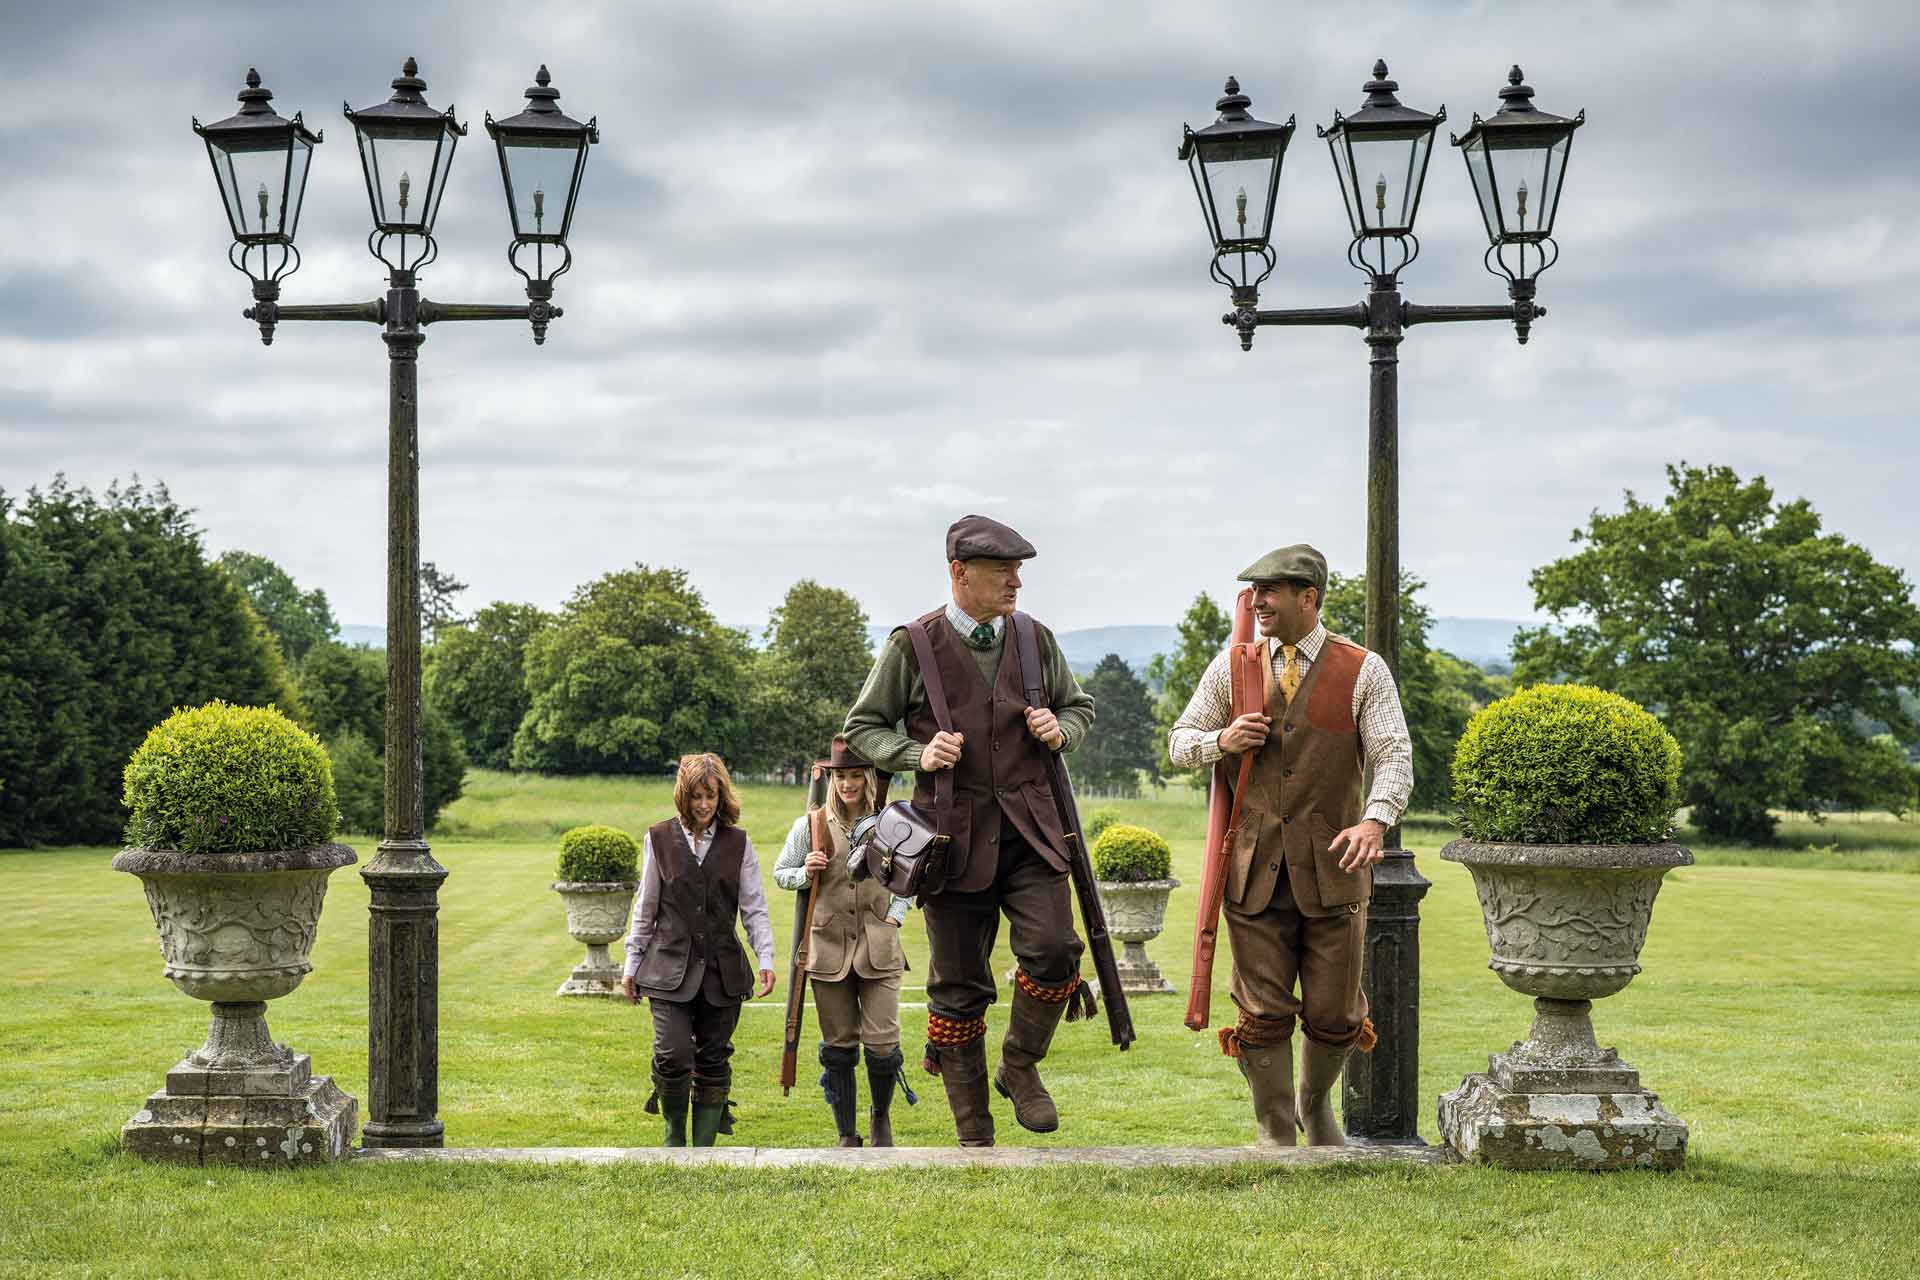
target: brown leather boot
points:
(963, 1069)
(1030, 1028)
(1269, 1073)
(1319, 1072)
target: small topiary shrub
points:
(1566, 764)
(1093, 828)
(227, 779)
(596, 854)
(1128, 853)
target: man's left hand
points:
(1362, 844)
(1042, 725)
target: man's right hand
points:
(942, 753)
(628, 990)
(1246, 733)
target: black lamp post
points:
(406, 150)
(1380, 156)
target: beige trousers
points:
(859, 1011)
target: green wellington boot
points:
(673, 1110)
(1319, 1072)
(1269, 1073)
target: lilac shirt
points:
(753, 900)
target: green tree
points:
(298, 619)
(110, 617)
(634, 672)
(437, 592)
(1122, 744)
(476, 676)
(1204, 632)
(1437, 708)
(816, 659)
(1761, 642)
(346, 690)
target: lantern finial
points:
(541, 77)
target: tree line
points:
(1780, 655)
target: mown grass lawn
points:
(1777, 1015)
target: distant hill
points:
(1485, 642)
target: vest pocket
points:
(1337, 888)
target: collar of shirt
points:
(958, 619)
(1307, 650)
(700, 843)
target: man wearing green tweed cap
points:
(1331, 773)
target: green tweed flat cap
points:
(1297, 563)
(981, 538)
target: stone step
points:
(922, 1157)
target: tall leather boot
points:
(1319, 1072)
(963, 1069)
(883, 1073)
(1030, 1027)
(837, 1082)
(1269, 1073)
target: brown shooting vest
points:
(693, 933)
(851, 933)
(1002, 771)
(1304, 790)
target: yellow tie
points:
(1289, 674)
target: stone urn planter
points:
(208, 789)
(1565, 922)
(1136, 913)
(237, 931)
(597, 914)
(1131, 866)
(599, 871)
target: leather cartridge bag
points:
(903, 846)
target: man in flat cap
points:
(1301, 871)
(1006, 850)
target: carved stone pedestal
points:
(1557, 1100)
(241, 1099)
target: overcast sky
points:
(847, 271)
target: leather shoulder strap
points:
(1026, 641)
(936, 687)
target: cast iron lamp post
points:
(406, 150)
(1380, 155)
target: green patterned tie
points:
(982, 637)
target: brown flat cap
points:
(981, 538)
(1297, 563)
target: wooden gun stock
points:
(1244, 657)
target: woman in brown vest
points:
(854, 960)
(683, 953)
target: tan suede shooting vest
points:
(851, 933)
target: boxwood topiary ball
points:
(227, 779)
(1128, 853)
(596, 854)
(1566, 764)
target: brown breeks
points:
(962, 929)
(859, 1011)
(1276, 948)
(693, 1046)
